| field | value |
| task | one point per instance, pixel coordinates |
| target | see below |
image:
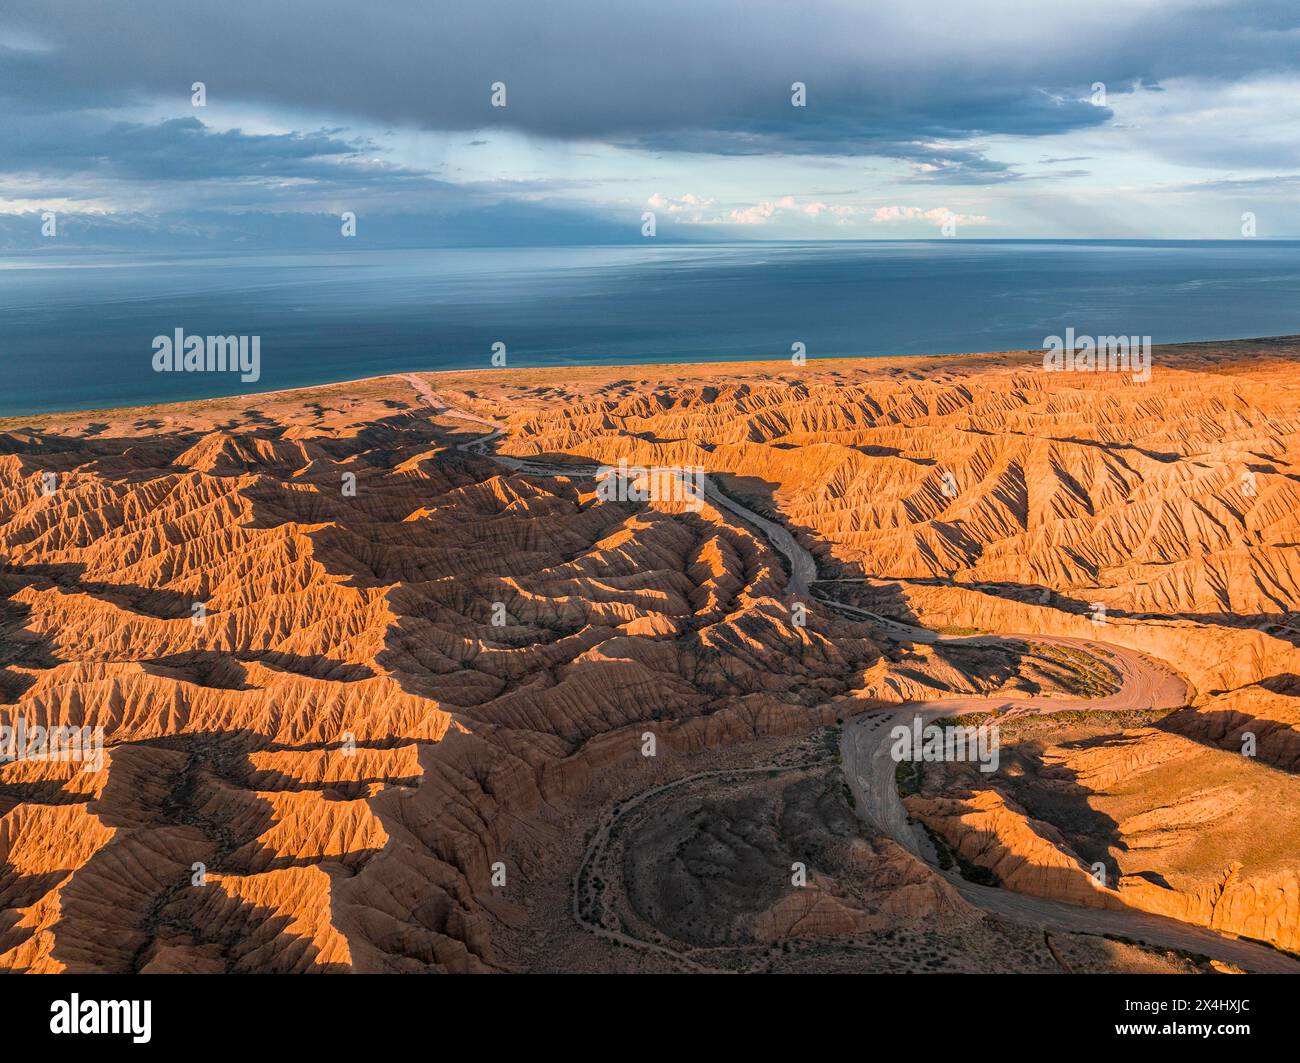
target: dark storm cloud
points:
(672, 75)
(95, 101)
(179, 149)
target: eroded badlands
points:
(373, 700)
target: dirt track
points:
(869, 769)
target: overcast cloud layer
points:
(988, 113)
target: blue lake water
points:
(76, 331)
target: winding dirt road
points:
(803, 568)
(869, 769)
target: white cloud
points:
(689, 203)
(762, 213)
(758, 214)
(935, 215)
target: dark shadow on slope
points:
(1274, 742)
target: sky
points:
(1125, 119)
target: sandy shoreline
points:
(543, 375)
(506, 373)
